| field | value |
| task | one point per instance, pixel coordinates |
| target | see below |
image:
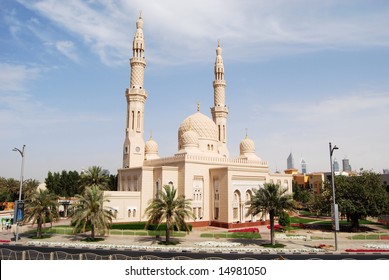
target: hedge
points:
(142, 225)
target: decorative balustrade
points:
(206, 159)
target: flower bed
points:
(254, 230)
(4, 241)
(277, 228)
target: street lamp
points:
(334, 212)
(20, 189)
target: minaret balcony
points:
(219, 82)
(138, 60)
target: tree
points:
(29, 188)
(95, 175)
(69, 183)
(270, 199)
(65, 184)
(320, 203)
(169, 209)
(113, 182)
(53, 184)
(42, 206)
(9, 189)
(89, 210)
(301, 195)
(284, 219)
(361, 196)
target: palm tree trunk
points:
(93, 232)
(167, 233)
(39, 228)
(272, 232)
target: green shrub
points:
(284, 219)
(142, 225)
(133, 226)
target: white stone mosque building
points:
(202, 170)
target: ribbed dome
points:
(151, 147)
(247, 146)
(199, 123)
(190, 139)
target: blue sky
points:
(300, 73)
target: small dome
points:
(199, 123)
(247, 146)
(151, 147)
(190, 139)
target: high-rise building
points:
(335, 166)
(346, 165)
(385, 171)
(290, 162)
(303, 166)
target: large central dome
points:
(201, 124)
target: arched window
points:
(138, 121)
(129, 213)
(132, 120)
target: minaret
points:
(220, 110)
(134, 145)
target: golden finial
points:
(246, 134)
(140, 14)
(151, 135)
(198, 106)
(218, 43)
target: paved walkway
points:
(194, 240)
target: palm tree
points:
(270, 199)
(90, 211)
(29, 188)
(95, 175)
(40, 207)
(167, 208)
(9, 189)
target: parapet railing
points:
(203, 158)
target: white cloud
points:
(183, 29)
(68, 49)
(361, 105)
(13, 77)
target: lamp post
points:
(334, 206)
(20, 189)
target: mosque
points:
(202, 170)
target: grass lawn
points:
(243, 235)
(344, 222)
(277, 245)
(369, 236)
(298, 220)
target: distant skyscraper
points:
(336, 166)
(303, 166)
(385, 171)
(346, 165)
(290, 162)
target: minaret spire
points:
(134, 145)
(220, 110)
